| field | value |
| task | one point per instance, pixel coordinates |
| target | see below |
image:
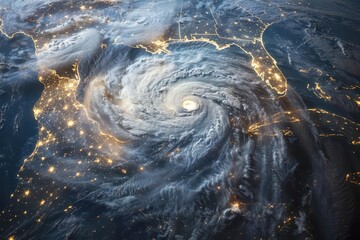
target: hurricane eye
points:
(190, 105)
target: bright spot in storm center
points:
(190, 105)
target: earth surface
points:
(178, 119)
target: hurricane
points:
(173, 120)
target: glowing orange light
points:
(70, 123)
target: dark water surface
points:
(19, 90)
